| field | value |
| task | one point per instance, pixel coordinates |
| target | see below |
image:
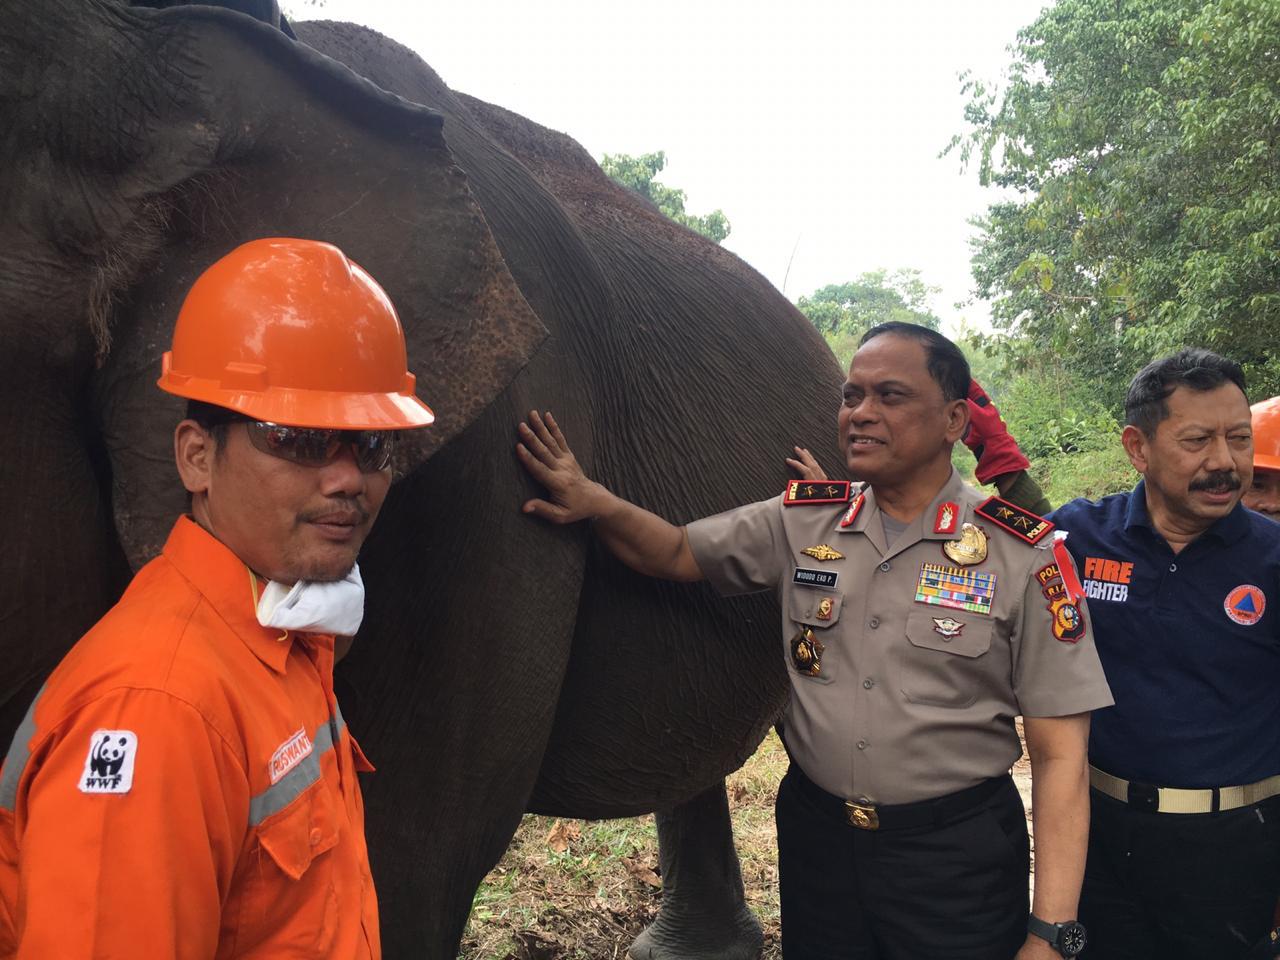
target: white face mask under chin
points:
(335, 607)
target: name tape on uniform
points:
(289, 754)
(956, 587)
(823, 579)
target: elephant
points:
(504, 665)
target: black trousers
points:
(1198, 886)
(955, 890)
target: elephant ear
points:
(298, 145)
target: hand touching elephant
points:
(642, 540)
(545, 453)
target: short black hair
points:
(214, 420)
(947, 364)
(1146, 403)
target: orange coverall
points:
(184, 785)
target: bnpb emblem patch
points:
(108, 768)
(1245, 604)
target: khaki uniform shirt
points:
(909, 699)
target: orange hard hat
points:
(292, 332)
(1266, 434)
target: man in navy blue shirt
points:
(1183, 584)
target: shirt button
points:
(1173, 568)
(315, 836)
(884, 567)
(862, 744)
(873, 622)
(868, 683)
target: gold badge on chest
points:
(806, 652)
(823, 552)
(971, 548)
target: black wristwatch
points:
(1068, 937)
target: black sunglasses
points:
(314, 447)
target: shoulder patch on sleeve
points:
(1023, 524)
(803, 493)
(108, 767)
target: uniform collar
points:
(953, 491)
(230, 587)
(1234, 526)
(868, 520)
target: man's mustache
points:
(337, 511)
(1218, 480)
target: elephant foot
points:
(737, 937)
(704, 915)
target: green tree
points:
(843, 312)
(638, 174)
(1141, 139)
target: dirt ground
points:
(580, 890)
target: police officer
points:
(1183, 584)
(1263, 494)
(918, 619)
(183, 785)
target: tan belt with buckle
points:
(1175, 800)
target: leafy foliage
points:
(1139, 138)
(844, 312)
(1062, 422)
(638, 173)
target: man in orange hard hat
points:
(1264, 494)
(184, 785)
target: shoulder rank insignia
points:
(802, 493)
(851, 514)
(1023, 524)
(823, 552)
(971, 548)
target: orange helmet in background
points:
(292, 332)
(1266, 434)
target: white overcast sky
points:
(815, 125)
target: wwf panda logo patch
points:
(108, 768)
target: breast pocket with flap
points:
(943, 661)
(290, 899)
(812, 613)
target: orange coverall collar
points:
(231, 588)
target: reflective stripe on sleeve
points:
(291, 786)
(15, 762)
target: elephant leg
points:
(704, 915)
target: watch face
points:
(1072, 939)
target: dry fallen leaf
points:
(642, 872)
(561, 834)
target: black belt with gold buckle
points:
(900, 816)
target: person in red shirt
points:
(184, 785)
